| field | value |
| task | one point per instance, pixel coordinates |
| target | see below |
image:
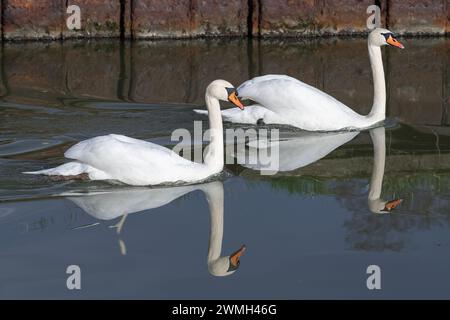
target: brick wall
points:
(46, 19)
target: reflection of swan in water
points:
(290, 153)
(110, 205)
(300, 151)
(376, 204)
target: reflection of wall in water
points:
(178, 71)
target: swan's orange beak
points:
(394, 42)
(391, 205)
(235, 100)
(234, 258)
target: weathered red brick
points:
(384, 12)
(418, 17)
(447, 21)
(156, 18)
(28, 19)
(32, 19)
(127, 18)
(184, 18)
(342, 17)
(99, 18)
(287, 17)
(254, 11)
(218, 17)
(311, 17)
(1, 15)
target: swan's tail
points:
(68, 169)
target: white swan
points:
(140, 163)
(111, 205)
(290, 101)
(376, 204)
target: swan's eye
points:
(230, 90)
(387, 35)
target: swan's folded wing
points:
(119, 155)
(277, 92)
(305, 106)
(247, 89)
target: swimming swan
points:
(285, 100)
(140, 163)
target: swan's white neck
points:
(379, 158)
(378, 111)
(214, 152)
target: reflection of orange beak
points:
(234, 258)
(235, 100)
(391, 205)
(394, 42)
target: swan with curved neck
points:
(120, 203)
(285, 100)
(141, 163)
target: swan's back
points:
(85, 150)
(134, 161)
(307, 107)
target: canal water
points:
(310, 231)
